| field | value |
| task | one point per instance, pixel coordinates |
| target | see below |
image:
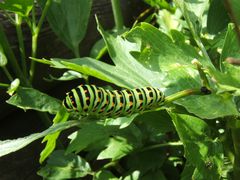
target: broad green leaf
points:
(62, 166)
(89, 134)
(29, 98)
(123, 122)
(103, 175)
(229, 80)
(21, 7)
(146, 161)
(231, 47)
(3, 58)
(117, 148)
(51, 139)
(9, 146)
(155, 125)
(69, 20)
(133, 176)
(205, 106)
(235, 5)
(202, 152)
(13, 87)
(98, 136)
(217, 17)
(187, 171)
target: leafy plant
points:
(194, 136)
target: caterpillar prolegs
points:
(93, 100)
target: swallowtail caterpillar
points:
(93, 100)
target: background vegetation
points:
(174, 46)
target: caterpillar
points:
(93, 100)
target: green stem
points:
(179, 143)
(35, 33)
(202, 74)
(34, 54)
(11, 57)
(182, 94)
(18, 23)
(9, 76)
(118, 18)
(236, 144)
(76, 51)
(4, 85)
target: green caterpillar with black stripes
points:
(96, 101)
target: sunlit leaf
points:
(51, 139)
(62, 166)
(204, 153)
(29, 98)
(21, 7)
(9, 146)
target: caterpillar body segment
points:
(93, 100)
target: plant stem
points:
(182, 94)
(117, 14)
(35, 33)
(178, 143)
(236, 144)
(34, 54)
(76, 51)
(18, 23)
(4, 85)
(202, 74)
(11, 57)
(9, 76)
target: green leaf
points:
(123, 122)
(51, 139)
(133, 176)
(229, 80)
(155, 125)
(231, 45)
(69, 20)
(29, 98)
(146, 161)
(103, 175)
(193, 12)
(89, 134)
(117, 148)
(13, 87)
(67, 76)
(217, 17)
(202, 152)
(205, 106)
(9, 146)
(62, 166)
(21, 7)
(235, 5)
(161, 4)
(3, 58)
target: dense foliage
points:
(179, 48)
